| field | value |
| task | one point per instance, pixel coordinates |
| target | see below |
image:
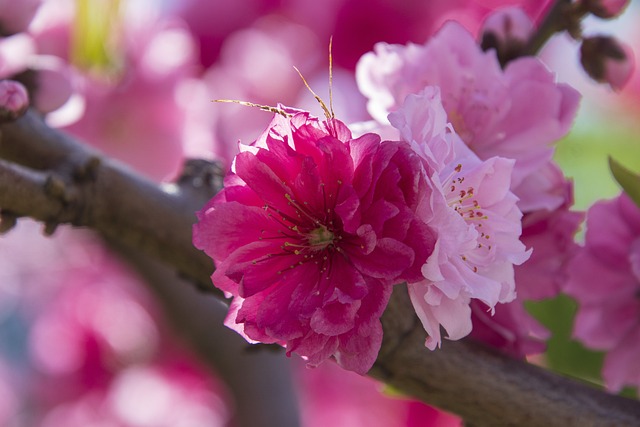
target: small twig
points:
(562, 16)
(253, 105)
(327, 113)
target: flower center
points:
(320, 238)
(461, 198)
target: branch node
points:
(199, 173)
(54, 186)
(87, 171)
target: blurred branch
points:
(260, 382)
(90, 190)
(563, 15)
(485, 388)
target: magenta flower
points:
(604, 277)
(475, 215)
(310, 233)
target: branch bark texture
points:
(63, 181)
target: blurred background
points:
(93, 336)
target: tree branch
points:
(102, 194)
(485, 388)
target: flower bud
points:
(14, 100)
(506, 30)
(607, 60)
(605, 8)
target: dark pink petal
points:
(263, 180)
(224, 227)
(334, 318)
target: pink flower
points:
(604, 277)
(475, 215)
(490, 108)
(310, 233)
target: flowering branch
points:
(50, 177)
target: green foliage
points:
(629, 181)
(583, 157)
(564, 354)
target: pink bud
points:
(607, 60)
(506, 30)
(606, 8)
(14, 100)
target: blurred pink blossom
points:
(15, 53)
(92, 339)
(604, 278)
(139, 110)
(331, 396)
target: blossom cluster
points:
(439, 174)
(318, 225)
